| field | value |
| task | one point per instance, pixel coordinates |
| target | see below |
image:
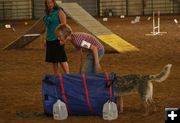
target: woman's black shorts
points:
(55, 52)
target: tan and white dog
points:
(141, 84)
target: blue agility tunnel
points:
(83, 94)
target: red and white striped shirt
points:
(78, 37)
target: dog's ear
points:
(114, 78)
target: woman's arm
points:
(62, 17)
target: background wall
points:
(33, 9)
(15, 9)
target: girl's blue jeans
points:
(90, 63)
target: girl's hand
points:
(61, 42)
(98, 67)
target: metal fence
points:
(138, 7)
(89, 5)
(15, 9)
(31, 9)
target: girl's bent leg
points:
(89, 66)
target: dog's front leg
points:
(120, 104)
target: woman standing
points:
(55, 52)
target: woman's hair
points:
(47, 11)
(65, 29)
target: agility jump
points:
(156, 29)
(30, 35)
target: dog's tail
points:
(163, 74)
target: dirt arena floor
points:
(21, 70)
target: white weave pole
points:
(156, 29)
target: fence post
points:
(143, 6)
(3, 11)
(98, 8)
(32, 2)
(127, 13)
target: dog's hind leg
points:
(146, 108)
(145, 105)
(153, 104)
(150, 99)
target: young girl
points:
(54, 51)
(83, 40)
